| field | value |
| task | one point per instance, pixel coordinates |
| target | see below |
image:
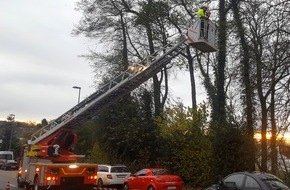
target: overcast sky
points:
(39, 60)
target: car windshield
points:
(119, 169)
(160, 172)
(6, 156)
(276, 184)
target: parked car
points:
(10, 166)
(153, 179)
(250, 181)
(112, 175)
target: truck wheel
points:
(89, 188)
(100, 183)
(36, 183)
(20, 183)
(27, 186)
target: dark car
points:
(250, 181)
(10, 166)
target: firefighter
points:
(203, 13)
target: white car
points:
(112, 175)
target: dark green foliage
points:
(230, 145)
(44, 122)
(152, 12)
(9, 132)
(20, 132)
(122, 130)
(87, 134)
(186, 148)
(6, 132)
(125, 132)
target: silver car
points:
(112, 175)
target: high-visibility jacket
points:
(201, 13)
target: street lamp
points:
(79, 88)
(11, 118)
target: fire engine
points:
(48, 161)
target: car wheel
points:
(100, 183)
(126, 186)
(151, 188)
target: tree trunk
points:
(219, 113)
(156, 81)
(273, 144)
(263, 104)
(125, 48)
(247, 83)
(192, 79)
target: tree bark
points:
(245, 62)
(219, 114)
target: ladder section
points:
(127, 81)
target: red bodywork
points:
(158, 178)
(47, 163)
(51, 175)
(65, 140)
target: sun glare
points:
(285, 137)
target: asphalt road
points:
(8, 176)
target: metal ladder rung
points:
(136, 76)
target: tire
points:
(100, 183)
(19, 183)
(126, 187)
(36, 183)
(89, 188)
(27, 186)
(150, 188)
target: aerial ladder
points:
(54, 141)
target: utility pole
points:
(79, 88)
(11, 117)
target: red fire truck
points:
(50, 164)
(48, 161)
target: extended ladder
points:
(130, 79)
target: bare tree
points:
(267, 36)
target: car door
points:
(102, 175)
(251, 184)
(137, 182)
